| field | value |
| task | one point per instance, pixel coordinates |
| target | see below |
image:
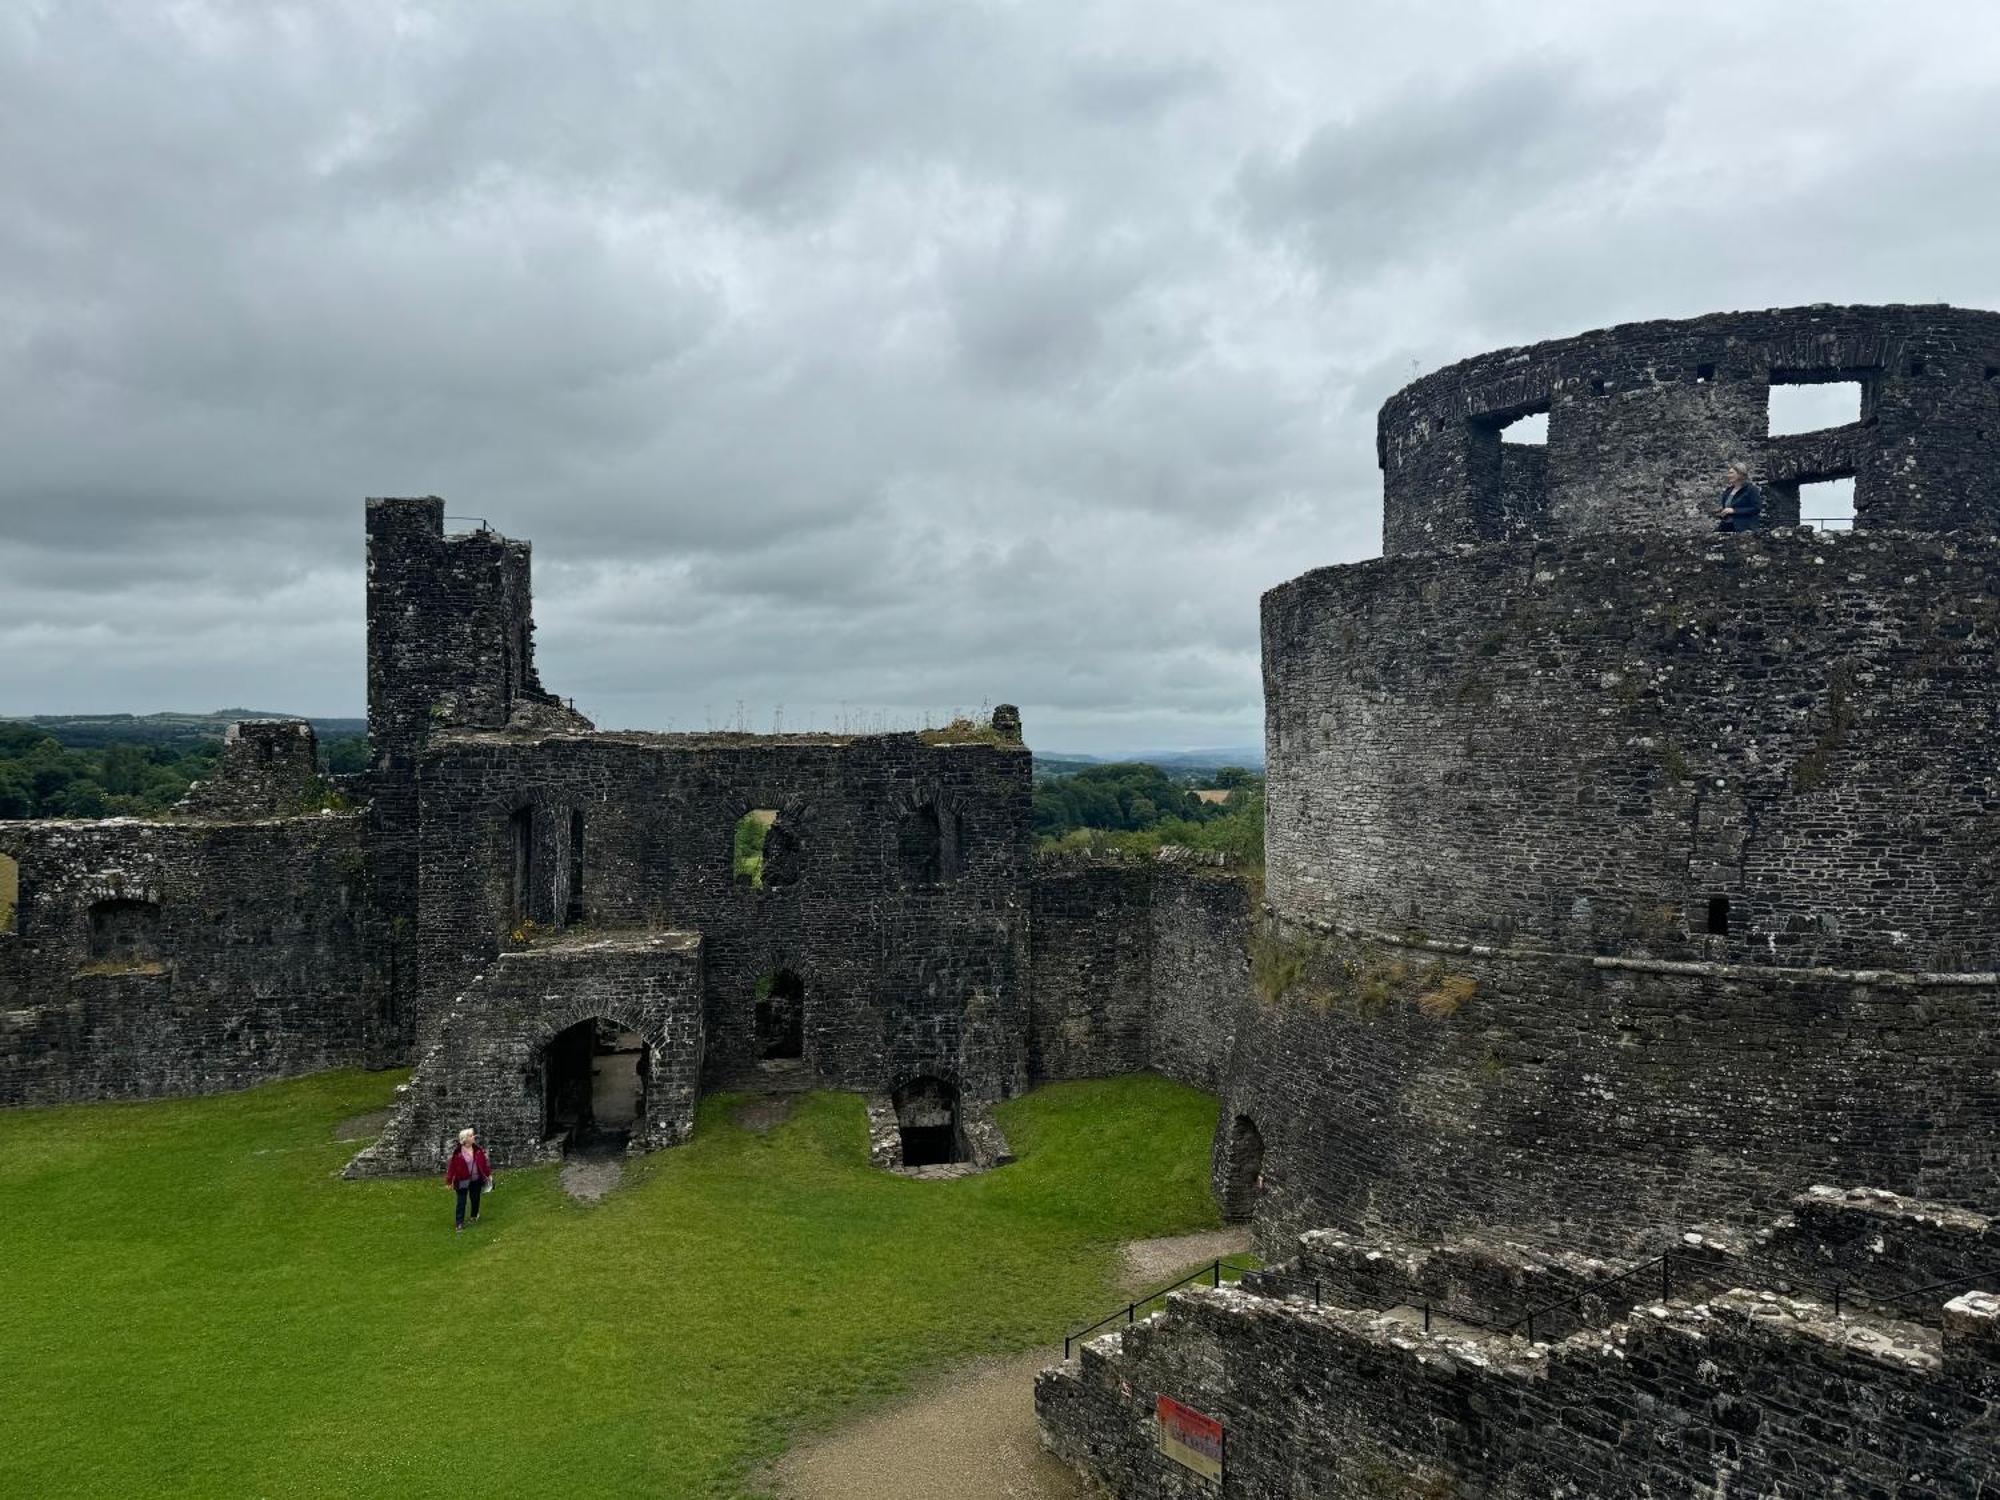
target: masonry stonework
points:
(1623, 878)
(211, 950)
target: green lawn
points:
(193, 1303)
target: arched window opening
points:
(781, 1015)
(920, 846)
(927, 1120)
(521, 865)
(753, 832)
(573, 909)
(10, 894)
(1244, 1172)
(594, 1077)
(124, 931)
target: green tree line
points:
(1135, 808)
(40, 777)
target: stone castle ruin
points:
(552, 923)
(1631, 894)
(1626, 951)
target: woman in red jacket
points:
(469, 1172)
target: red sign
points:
(1189, 1438)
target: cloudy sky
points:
(859, 361)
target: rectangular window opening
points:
(1813, 407)
(1827, 505)
(1718, 916)
(1532, 430)
(1704, 374)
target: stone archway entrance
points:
(781, 1016)
(927, 1120)
(594, 1077)
(1244, 1171)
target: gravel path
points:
(966, 1435)
(588, 1178)
(969, 1434)
(1151, 1263)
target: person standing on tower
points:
(1742, 506)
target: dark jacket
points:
(1748, 507)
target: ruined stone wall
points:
(1585, 743)
(1201, 924)
(485, 1066)
(1570, 1100)
(1093, 969)
(1137, 966)
(450, 644)
(1733, 1394)
(269, 768)
(1642, 418)
(180, 956)
(896, 884)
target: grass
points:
(194, 1303)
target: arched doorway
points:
(781, 1015)
(594, 1077)
(1244, 1170)
(927, 1121)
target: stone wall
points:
(269, 768)
(1771, 748)
(1426, 1090)
(1643, 417)
(181, 956)
(451, 643)
(1137, 966)
(1201, 925)
(484, 1067)
(900, 901)
(1711, 1391)
(1093, 969)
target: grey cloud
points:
(1451, 158)
(899, 356)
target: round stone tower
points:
(1636, 872)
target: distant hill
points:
(1194, 762)
(1061, 765)
(1180, 763)
(94, 731)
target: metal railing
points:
(479, 523)
(1130, 1311)
(1525, 1322)
(1828, 523)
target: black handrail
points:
(484, 524)
(1941, 1286)
(1212, 1270)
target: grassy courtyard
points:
(193, 1303)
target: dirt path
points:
(969, 1434)
(1151, 1263)
(966, 1435)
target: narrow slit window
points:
(573, 911)
(1718, 916)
